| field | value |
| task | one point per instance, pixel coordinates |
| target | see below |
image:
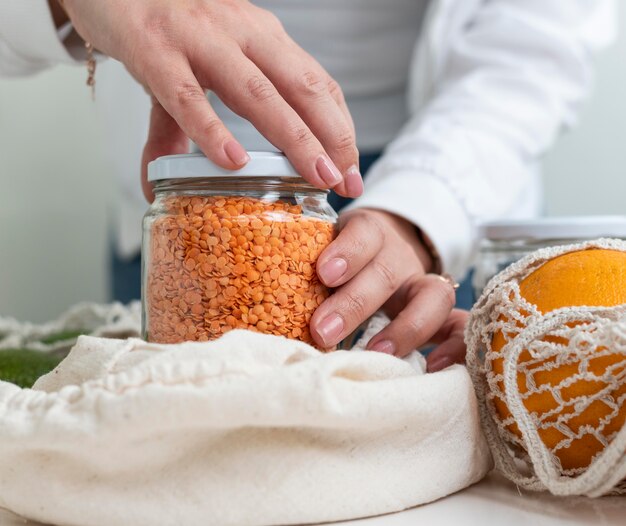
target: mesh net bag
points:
(551, 386)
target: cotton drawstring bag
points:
(249, 429)
(576, 338)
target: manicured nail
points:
(439, 364)
(236, 153)
(385, 346)
(332, 271)
(327, 171)
(330, 329)
(354, 182)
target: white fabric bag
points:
(245, 430)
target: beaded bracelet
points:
(91, 61)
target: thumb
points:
(164, 138)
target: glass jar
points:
(231, 250)
(505, 242)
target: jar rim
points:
(568, 227)
(197, 165)
(265, 185)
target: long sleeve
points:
(29, 41)
(493, 83)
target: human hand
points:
(450, 341)
(377, 261)
(179, 48)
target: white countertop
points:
(494, 501)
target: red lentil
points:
(220, 263)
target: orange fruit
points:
(594, 278)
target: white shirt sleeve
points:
(29, 40)
(493, 82)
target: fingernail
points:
(328, 172)
(354, 182)
(330, 329)
(385, 346)
(332, 271)
(236, 153)
(439, 364)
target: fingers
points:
(175, 86)
(248, 92)
(358, 242)
(164, 138)
(451, 338)
(313, 126)
(428, 303)
(357, 300)
(319, 101)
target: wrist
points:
(434, 259)
(421, 244)
(59, 15)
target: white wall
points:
(586, 172)
(54, 186)
(53, 196)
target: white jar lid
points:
(197, 165)
(579, 227)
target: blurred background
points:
(56, 188)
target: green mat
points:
(23, 366)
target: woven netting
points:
(108, 321)
(573, 361)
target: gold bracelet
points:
(91, 69)
(91, 61)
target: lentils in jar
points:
(238, 252)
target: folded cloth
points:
(246, 430)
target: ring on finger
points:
(447, 278)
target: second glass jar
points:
(226, 251)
